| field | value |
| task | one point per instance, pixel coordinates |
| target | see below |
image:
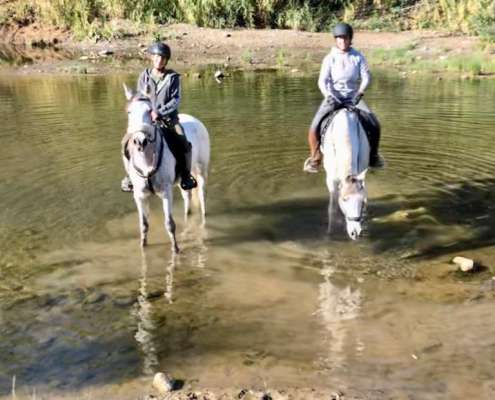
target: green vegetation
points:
(409, 58)
(281, 57)
(247, 56)
(96, 18)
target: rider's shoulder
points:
(356, 53)
(172, 73)
(145, 72)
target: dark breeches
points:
(368, 120)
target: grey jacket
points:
(165, 96)
(343, 74)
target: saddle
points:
(368, 121)
(176, 142)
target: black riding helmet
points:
(161, 49)
(343, 29)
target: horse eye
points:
(345, 198)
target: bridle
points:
(156, 136)
(160, 153)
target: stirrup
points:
(311, 166)
(188, 182)
(126, 185)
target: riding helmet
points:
(161, 49)
(343, 29)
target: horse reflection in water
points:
(338, 306)
(151, 165)
(146, 326)
(346, 150)
(147, 329)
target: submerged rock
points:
(464, 264)
(163, 382)
(219, 74)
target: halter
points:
(158, 163)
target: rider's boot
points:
(376, 160)
(187, 181)
(373, 131)
(312, 163)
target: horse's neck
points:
(140, 126)
(345, 141)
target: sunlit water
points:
(261, 296)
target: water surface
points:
(261, 296)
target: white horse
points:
(151, 165)
(346, 157)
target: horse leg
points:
(169, 220)
(186, 196)
(331, 190)
(143, 213)
(201, 178)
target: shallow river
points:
(261, 297)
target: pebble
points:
(124, 301)
(464, 264)
(163, 383)
(105, 53)
(337, 396)
(95, 297)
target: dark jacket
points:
(165, 97)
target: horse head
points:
(352, 201)
(138, 109)
(141, 131)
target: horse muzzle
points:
(354, 228)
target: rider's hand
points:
(154, 116)
(357, 98)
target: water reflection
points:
(197, 236)
(169, 278)
(148, 308)
(247, 285)
(336, 307)
(146, 327)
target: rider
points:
(344, 76)
(163, 87)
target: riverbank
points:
(37, 50)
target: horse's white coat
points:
(346, 157)
(144, 150)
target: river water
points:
(261, 297)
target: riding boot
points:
(312, 164)
(187, 181)
(372, 128)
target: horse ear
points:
(128, 92)
(362, 175)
